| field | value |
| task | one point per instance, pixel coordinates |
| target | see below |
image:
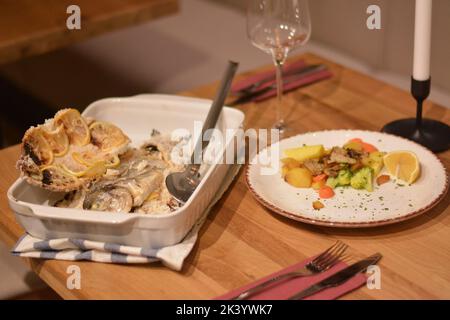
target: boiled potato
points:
(306, 152)
(377, 156)
(318, 184)
(374, 161)
(299, 177)
(376, 166)
(284, 171)
(353, 145)
(291, 163)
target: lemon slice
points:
(74, 125)
(403, 165)
(152, 196)
(106, 136)
(89, 158)
(112, 162)
(37, 147)
(73, 172)
(85, 158)
(58, 140)
(96, 170)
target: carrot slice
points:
(367, 147)
(326, 192)
(318, 184)
(383, 179)
(357, 140)
(319, 177)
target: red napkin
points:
(284, 290)
(302, 81)
(262, 75)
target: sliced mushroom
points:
(109, 198)
(332, 169)
(314, 166)
(340, 155)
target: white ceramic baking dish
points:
(136, 116)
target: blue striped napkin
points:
(79, 249)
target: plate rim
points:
(368, 224)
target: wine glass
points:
(276, 27)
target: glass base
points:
(433, 134)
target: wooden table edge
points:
(57, 37)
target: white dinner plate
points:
(388, 203)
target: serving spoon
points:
(181, 185)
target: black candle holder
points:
(433, 134)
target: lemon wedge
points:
(403, 165)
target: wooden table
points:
(29, 27)
(242, 241)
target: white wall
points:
(340, 26)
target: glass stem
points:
(279, 75)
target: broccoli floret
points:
(332, 182)
(344, 177)
(362, 179)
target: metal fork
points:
(321, 263)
